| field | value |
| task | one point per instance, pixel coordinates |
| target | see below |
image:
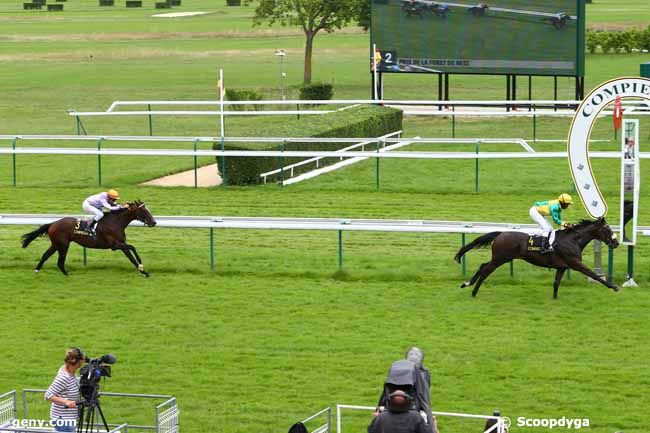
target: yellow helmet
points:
(565, 198)
(113, 194)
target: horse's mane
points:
(586, 223)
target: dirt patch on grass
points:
(207, 176)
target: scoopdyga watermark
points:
(552, 423)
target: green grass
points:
(276, 333)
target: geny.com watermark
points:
(564, 422)
(42, 423)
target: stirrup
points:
(548, 250)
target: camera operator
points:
(64, 392)
(398, 418)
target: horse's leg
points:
(486, 270)
(46, 255)
(580, 267)
(126, 250)
(135, 253)
(63, 252)
(558, 277)
(474, 278)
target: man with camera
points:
(64, 392)
(399, 418)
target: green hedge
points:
(362, 121)
(317, 92)
(617, 42)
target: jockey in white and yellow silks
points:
(552, 208)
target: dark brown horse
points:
(567, 254)
(110, 234)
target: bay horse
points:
(109, 234)
(567, 253)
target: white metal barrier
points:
(500, 427)
(167, 414)
(7, 408)
(362, 145)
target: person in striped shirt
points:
(64, 392)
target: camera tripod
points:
(88, 408)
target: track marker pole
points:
(99, 162)
(212, 248)
(610, 265)
(478, 149)
(150, 121)
(196, 178)
(13, 157)
(377, 167)
(340, 250)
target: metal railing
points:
(165, 420)
(499, 427)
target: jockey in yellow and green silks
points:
(552, 208)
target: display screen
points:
(521, 37)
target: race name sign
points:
(581, 126)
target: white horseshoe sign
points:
(583, 122)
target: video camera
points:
(92, 372)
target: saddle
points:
(82, 227)
(537, 243)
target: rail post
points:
(196, 176)
(463, 262)
(377, 166)
(99, 162)
(534, 125)
(13, 158)
(150, 121)
(212, 248)
(478, 149)
(224, 178)
(453, 121)
(630, 268)
(282, 164)
(512, 268)
(340, 250)
(610, 265)
(85, 256)
(630, 261)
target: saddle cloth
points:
(82, 227)
(536, 243)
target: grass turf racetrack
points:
(275, 334)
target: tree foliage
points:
(312, 16)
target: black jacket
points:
(398, 422)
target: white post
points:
(338, 418)
(630, 185)
(374, 70)
(221, 94)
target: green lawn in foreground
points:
(275, 333)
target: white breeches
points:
(98, 214)
(546, 227)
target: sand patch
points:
(179, 14)
(207, 176)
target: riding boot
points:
(547, 247)
(92, 228)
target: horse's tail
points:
(29, 237)
(481, 242)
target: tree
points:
(311, 15)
